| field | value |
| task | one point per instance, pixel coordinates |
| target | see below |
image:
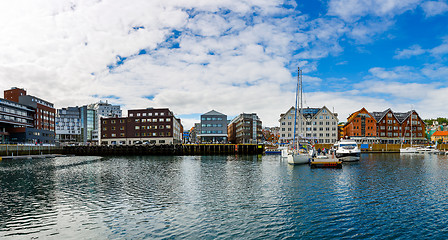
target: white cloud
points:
(433, 8)
(401, 73)
(414, 50)
(200, 55)
(440, 50)
(352, 10)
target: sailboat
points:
(299, 154)
(410, 149)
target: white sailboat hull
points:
(295, 159)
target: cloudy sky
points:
(230, 56)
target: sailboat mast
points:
(301, 102)
(295, 110)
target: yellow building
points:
(440, 135)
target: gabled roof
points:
(401, 117)
(440, 133)
(213, 112)
(380, 115)
(283, 114)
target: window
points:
(138, 114)
(137, 127)
(131, 114)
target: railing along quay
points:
(173, 150)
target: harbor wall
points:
(19, 150)
(176, 149)
(186, 149)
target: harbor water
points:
(383, 196)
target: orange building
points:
(360, 124)
(440, 135)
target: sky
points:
(229, 56)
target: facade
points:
(441, 136)
(319, 125)
(14, 118)
(394, 127)
(385, 127)
(155, 126)
(68, 125)
(195, 132)
(90, 120)
(213, 127)
(42, 130)
(245, 128)
(360, 125)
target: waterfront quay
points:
(166, 149)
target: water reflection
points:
(208, 197)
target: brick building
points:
(385, 127)
(155, 126)
(360, 125)
(245, 128)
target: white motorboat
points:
(409, 150)
(428, 149)
(347, 150)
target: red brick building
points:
(385, 127)
(392, 126)
(360, 124)
(157, 126)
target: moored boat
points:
(347, 150)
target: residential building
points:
(440, 136)
(319, 125)
(394, 127)
(43, 129)
(245, 128)
(155, 126)
(361, 125)
(213, 127)
(68, 125)
(271, 134)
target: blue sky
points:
(230, 56)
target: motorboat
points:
(428, 149)
(347, 150)
(409, 150)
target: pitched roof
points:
(379, 115)
(212, 112)
(440, 133)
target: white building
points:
(318, 124)
(68, 125)
(103, 110)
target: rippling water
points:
(384, 196)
